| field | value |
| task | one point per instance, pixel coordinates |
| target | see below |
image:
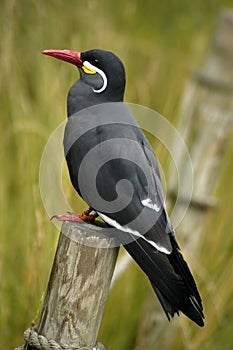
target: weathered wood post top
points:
(78, 285)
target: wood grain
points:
(78, 285)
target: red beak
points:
(65, 55)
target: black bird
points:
(99, 122)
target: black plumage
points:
(128, 176)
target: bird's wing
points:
(114, 169)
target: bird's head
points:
(102, 73)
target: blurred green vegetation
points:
(161, 44)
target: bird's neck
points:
(82, 96)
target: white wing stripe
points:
(133, 232)
(148, 203)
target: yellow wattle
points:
(88, 70)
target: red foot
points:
(84, 217)
(68, 217)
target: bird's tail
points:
(170, 278)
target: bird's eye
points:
(96, 60)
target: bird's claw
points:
(86, 216)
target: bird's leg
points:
(85, 216)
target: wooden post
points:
(205, 123)
(78, 285)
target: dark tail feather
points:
(168, 309)
(171, 279)
(181, 267)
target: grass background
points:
(161, 44)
